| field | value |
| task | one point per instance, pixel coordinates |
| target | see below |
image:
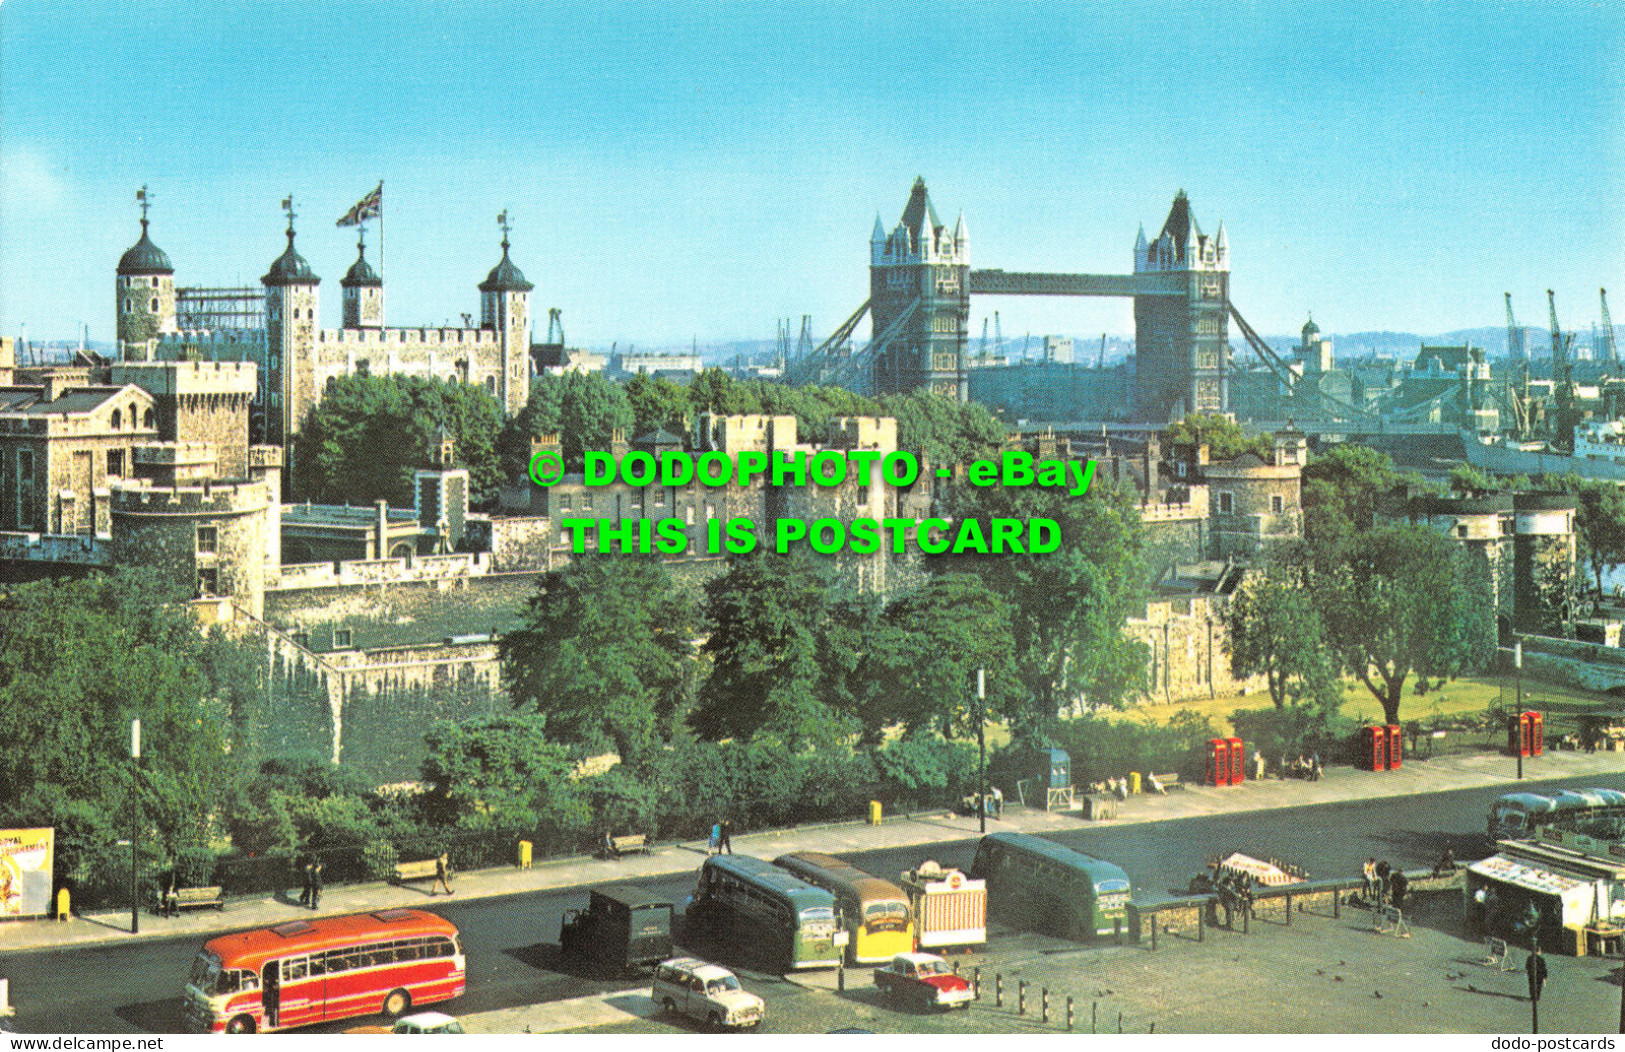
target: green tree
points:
(1403, 600)
(1464, 478)
(657, 402)
(769, 614)
(1343, 486)
(1599, 523)
(603, 653)
(364, 439)
(1276, 632)
(714, 391)
(583, 410)
(80, 659)
(1067, 607)
(1224, 437)
(500, 772)
(963, 626)
(940, 429)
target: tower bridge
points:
(919, 305)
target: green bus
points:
(768, 910)
(1039, 884)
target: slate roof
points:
(144, 257)
(505, 277)
(290, 268)
(27, 400)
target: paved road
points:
(134, 987)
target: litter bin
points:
(62, 904)
(874, 812)
(1134, 782)
(524, 854)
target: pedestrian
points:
(1446, 863)
(1258, 765)
(725, 834)
(1535, 969)
(172, 900)
(316, 884)
(998, 802)
(1315, 770)
(1399, 883)
(1370, 872)
(304, 893)
(1383, 869)
(715, 844)
(442, 875)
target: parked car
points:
(923, 979)
(706, 992)
(418, 1023)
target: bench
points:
(626, 845)
(1169, 782)
(191, 898)
(406, 872)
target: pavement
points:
(1340, 784)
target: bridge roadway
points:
(133, 987)
(1015, 283)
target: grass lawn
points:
(1472, 694)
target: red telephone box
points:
(1396, 747)
(1520, 738)
(1218, 761)
(1375, 740)
(1238, 761)
(1536, 733)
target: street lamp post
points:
(981, 747)
(135, 825)
(1517, 663)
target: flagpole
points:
(383, 300)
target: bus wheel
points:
(669, 1006)
(397, 1003)
(716, 1021)
(243, 1024)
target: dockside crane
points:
(981, 352)
(1608, 335)
(1562, 381)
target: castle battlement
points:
(189, 377)
(238, 497)
(422, 337)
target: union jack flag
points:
(369, 207)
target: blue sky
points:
(687, 169)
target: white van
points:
(707, 992)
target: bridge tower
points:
(1182, 343)
(919, 286)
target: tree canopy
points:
(500, 772)
(1402, 600)
(1067, 607)
(1224, 437)
(925, 651)
(604, 654)
(362, 442)
(584, 410)
(80, 659)
(1276, 631)
(768, 645)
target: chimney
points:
(55, 384)
(381, 532)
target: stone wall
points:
(1189, 642)
(385, 571)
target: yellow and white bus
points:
(875, 912)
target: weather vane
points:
(502, 221)
(141, 196)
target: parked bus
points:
(767, 909)
(1519, 816)
(306, 972)
(875, 913)
(1030, 879)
